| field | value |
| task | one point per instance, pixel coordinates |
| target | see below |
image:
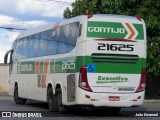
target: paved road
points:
(7, 104)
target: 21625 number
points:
(115, 47)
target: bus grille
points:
(114, 58)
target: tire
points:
(17, 99)
(52, 101)
(61, 108)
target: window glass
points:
(35, 36)
(35, 47)
(44, 35)
(63, 35)
(42, 47)
(69, 48)
(26, 49)
(73, 33)
(62, 48)
(53, 34)
(14, 44)
(19, 51)
(52, 47)
(32, 54)
(14, 49)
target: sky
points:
(27, 14)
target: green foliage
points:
(146, 9)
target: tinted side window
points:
(42, 47)
(53, 41)
(19, 51)
(53, 34)
(63, 39)
(14, 45)
(27, 47)
(62, 47)
(35, 44)
(14, 49)
(63, 34)
(35, 36)
(44, 35)
(73, 33)
(52, 47)
(35, 47)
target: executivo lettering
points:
(117, 79)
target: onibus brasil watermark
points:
(21, 114)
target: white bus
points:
(90, 60)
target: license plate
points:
(114, 98)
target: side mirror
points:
(6, 56)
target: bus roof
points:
(47, 27)
(67, 21)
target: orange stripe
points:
(37, 66)
(46, 63)
(43, 81)
(132, 31)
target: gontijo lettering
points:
(106, 30)
(26, 67)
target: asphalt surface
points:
(7, 104)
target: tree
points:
(146, 9)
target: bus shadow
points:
(74, 112)
(37, 104)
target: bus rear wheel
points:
(17, 99)
(52, 101)
(61, 108)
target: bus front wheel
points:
(17, 99)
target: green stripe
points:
(39, 80)
(97, 29)
(52, 65)
(41, 67)
(139, 28)
(83, 61)
(27, 67)
(118, 68)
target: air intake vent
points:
(114, 58)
